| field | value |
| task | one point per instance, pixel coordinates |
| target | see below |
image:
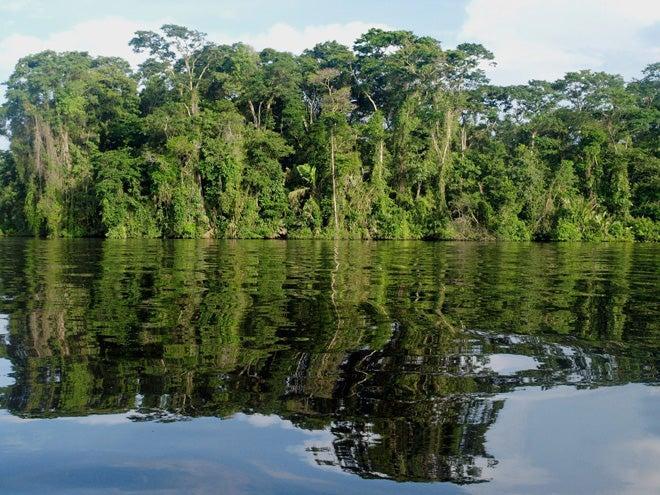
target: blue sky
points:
(531, 38)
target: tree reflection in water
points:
(399, 350)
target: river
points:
(305, 367)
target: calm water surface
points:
(273, 367)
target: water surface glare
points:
(297, 367)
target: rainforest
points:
(396, 137)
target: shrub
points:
(645, 229)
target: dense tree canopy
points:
(394, 138)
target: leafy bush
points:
(645, 229)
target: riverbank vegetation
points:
(396, 137)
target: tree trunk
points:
(254, 114)
(194, 103)
(443, 166)
(259, 115)
(442, 155)
(334, 181)
(379, 172)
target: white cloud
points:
(15, 5)
(260, 420)
(541, 39)
(284, 37)
(6, 370)
(641, 475)
(508, 364)
(108, 36)
(100, 419)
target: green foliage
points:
(645, 229)
(397, 138)
(511, 228)
(125, 211)
(12, 219)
